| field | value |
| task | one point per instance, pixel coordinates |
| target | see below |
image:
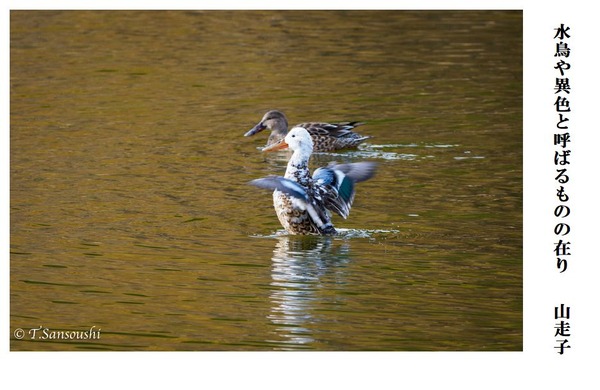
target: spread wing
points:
(288, 187)
(334, 185)
(299, 196)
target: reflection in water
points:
(299, 263)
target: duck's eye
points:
(293, 135)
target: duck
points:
(303, 202)
(326, 136)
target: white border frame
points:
(538, 365)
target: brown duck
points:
(326, 136)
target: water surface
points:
(129, 205)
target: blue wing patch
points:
(335, 184)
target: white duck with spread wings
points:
(304, 203)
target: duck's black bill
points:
(256, 129)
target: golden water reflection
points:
(129, 208)
(297, 266)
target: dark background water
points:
(129, 205)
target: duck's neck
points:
(297, 168)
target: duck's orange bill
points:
(278, 146)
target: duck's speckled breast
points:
(293, 219)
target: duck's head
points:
(298, 139)
(273, 120)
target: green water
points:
(129, 205)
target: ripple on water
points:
(341, 233)
(367, 151)
(383, 152)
